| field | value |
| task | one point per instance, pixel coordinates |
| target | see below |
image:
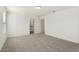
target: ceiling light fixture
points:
(38, 7)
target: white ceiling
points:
(31, 10)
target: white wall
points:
(18, 24)
(63, 24)
(2, 33)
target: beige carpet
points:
(39, 43)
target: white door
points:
(2, 27)
(37, 26)
(42, 26)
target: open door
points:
(32, 26)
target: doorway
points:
(37, 26)
(31, 26)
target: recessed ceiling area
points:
(33, 11)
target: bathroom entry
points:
(31, 26)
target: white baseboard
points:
(21, 34)
(74, 41)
